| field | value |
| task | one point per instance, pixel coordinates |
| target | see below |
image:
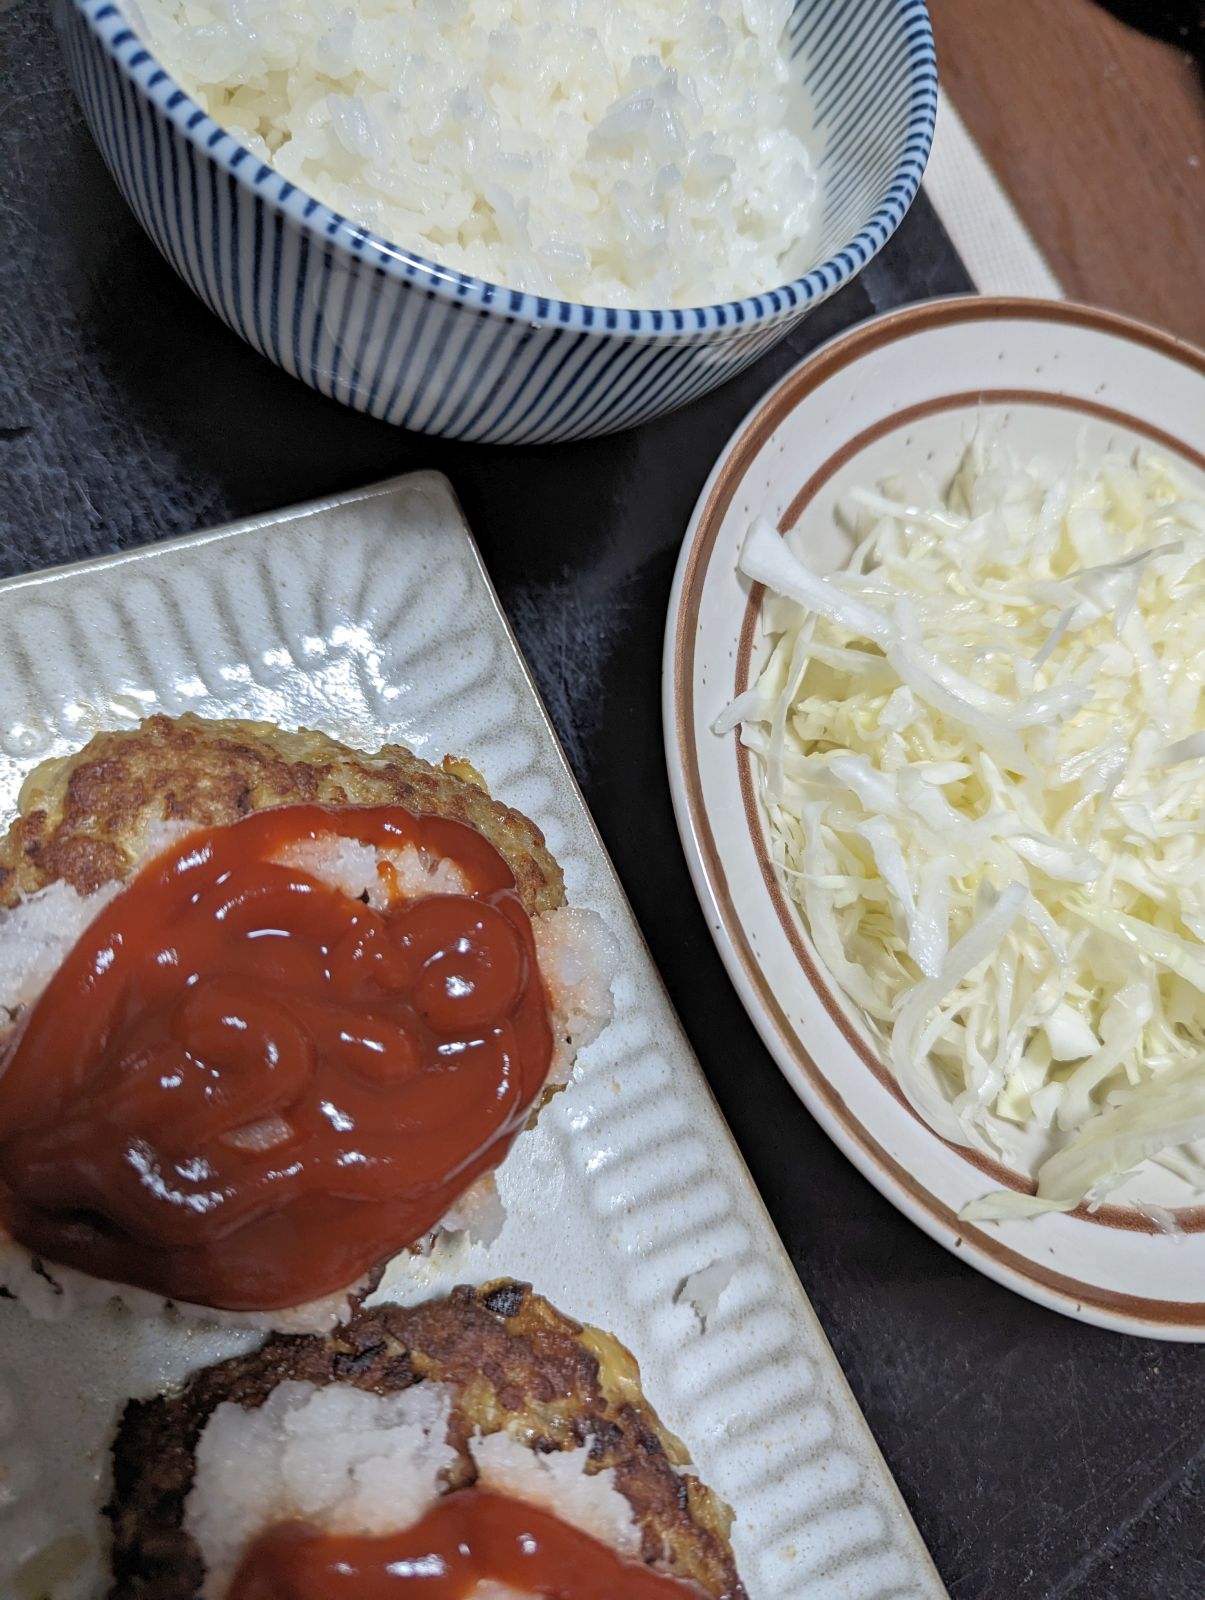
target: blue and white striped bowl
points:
(417, 344)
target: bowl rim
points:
(327, 227)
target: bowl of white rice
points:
(513, 221)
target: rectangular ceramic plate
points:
(372, 618)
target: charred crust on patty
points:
(513, 1363)
(80, 818)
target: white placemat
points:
(996, 247)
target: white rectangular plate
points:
(371, 618)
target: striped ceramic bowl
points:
(414, 343)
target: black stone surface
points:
(1180, 22)
(1040, 1458)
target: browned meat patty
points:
(510, 1358)
(80, 817)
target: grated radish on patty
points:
(35, 937)
(356, 869)
(351, 1462)
(557, 1482)
(37, 933)
(51, 1292)
(343, 1460)
(578, 958)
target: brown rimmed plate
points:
(898, 393)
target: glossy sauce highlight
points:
(245, 1089)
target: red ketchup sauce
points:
(465, 1539)
(394, 1054)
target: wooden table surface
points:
(1097, 131)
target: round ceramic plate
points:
(900, 393)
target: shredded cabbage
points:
(981, 748)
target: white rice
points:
(577, 958)
(624, 152)
(350, 1462)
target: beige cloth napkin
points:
(996, 247)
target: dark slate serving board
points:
(1040, 1458)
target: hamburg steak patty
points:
(395, 1048)
(82, 819)
(511, 1362)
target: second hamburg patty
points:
(533, 1403)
